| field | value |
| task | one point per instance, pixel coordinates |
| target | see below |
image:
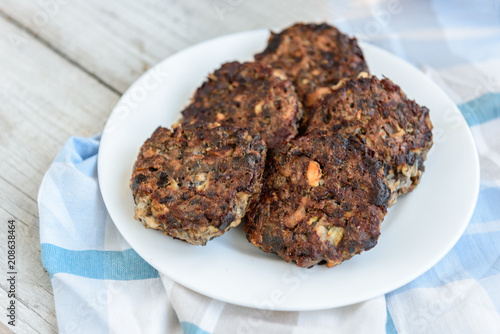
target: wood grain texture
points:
(118, 40)
(45, 100)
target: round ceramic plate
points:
(418, 231)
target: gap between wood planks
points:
(25, 304)
(58, 52)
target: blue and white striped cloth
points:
(102, 286)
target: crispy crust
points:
(313, 55)
(251, 96)
(322, 201)
(380, 115)
(195, 183)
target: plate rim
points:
(318, 306)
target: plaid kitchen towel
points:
(101, 285)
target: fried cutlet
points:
(194, 183)
(251, 96)
(378, 113)
(313, 56)
(322, 201)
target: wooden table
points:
(63, 66)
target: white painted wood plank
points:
(45, 100)
(118, 40)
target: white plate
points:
(418, 231)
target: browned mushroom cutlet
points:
(195, 182)
(248, 95)
(322, 201)
(378, 113)
(313, 56)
